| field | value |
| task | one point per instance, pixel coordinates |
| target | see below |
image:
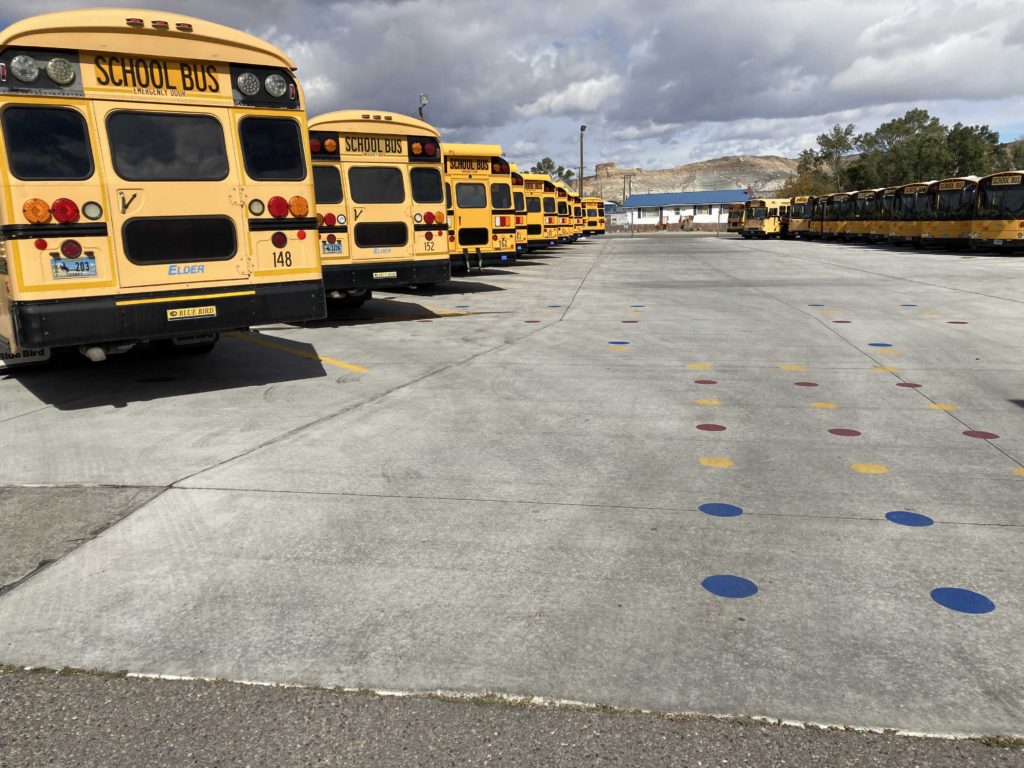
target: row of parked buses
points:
(162, 182)
(967, 212)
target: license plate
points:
(332, 247)
(65, 269)
(13, 359)
(384, 275)
(190, 313)
(997, 242)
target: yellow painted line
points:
(869, 469)
(441, 312)
(828, 313)
(885, 369)
(709, 402)
(943, 407)
(825, 406)
(794, 368)
(262, 342)
(888, 351)
(929, 314)
(699, 366)
(167, 299)
(1019, 471)
(719, 462)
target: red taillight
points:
(332, 239)
(429, 149)
(428, 235)
(70, 249)
(279, 239)
(330, 219)
(315, 146)
(494, 237)
(451, 238)
(440, 233)
(278, 207)
(65, 211)
(301, 234)
(40, 244)
(428, 217)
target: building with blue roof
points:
(676, 209)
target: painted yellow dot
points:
(717, 461)
(618, 348)
(1019, 471)
(888, 351)
(828, 313)
(709, 402)
(885, 369)
(825, 406)
(929, 314)
(794, 368)
(869, 469)
(699, 366)
(943, 407)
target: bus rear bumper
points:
(386, 274)
(161, 315)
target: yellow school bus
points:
(950, 210)
(762, 217)
(910, 202)
(577, 216)
(881, 227)
(800, 209)
(549, 202)
(863, 212)
(519, 199)
(592, 206)
(564, 207)
(817, 222)
(601, 221)
(379, 201)
(156, 185)
(534, 185)
(735, 222)
(998, 221)
(482, 205)
(837, 216)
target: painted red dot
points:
(981, 435)
(842, 322)
(908, 385)
(845, 432)
(804, 384)
(532, 321)
(957, 322)
(711, 427)
(631, 322)
(705, 381)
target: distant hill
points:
(764, 174)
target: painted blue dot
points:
(729, 586)
(637, 306)
(815, 305)
(619, 343)
(912, 519)
(720, 510)
(462, 306)
(879, 344)
(908, 305)
(962, 600)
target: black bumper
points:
(461, 262)
(138, 316)
(340, 278)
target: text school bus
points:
(519, 200)
(156, 184)
(483, 230)
(380, 202)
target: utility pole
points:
(627, 179)
(424, 100)
(583, 129)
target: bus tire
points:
(354, 301)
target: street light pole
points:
(583, 130)
(424, 100)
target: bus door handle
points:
(126, 197)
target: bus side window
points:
(773, 211)
(447, 195)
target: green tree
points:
(806, 183)
(1014, 155)
(914, 147)
(833, 147)
(975, 150)
(559, 173)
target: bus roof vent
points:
(365, 117)
(183, 27)
(133, 22)
(160, 25)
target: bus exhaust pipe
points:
(95, 354)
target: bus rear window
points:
(426, 185)
(471, 195)
(382, 234)
(156, 146)
(533, 205)
(501, 197)
(520, 201)
(47, 143)
(549, 205)
(272, 148)
(376, 185)
(170, 239)
(327, 184)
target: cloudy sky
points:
(658, 82)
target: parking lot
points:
(537, 481)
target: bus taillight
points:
(438, 217)
(428, 217)
(40, 244)
(330, 219)
(65, 211)
(278, 207)
(70, 249)
(430, 149)
(279, 239)
(298, 206)
(315, 145)
(36, 211)
(428, 235)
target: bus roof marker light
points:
(276, 85)
(248, 84)
(134, 22)
(25, 68)
(160, 25)
(61, 71)
(181, 26)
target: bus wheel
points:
(200, 345)
(354, 299)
